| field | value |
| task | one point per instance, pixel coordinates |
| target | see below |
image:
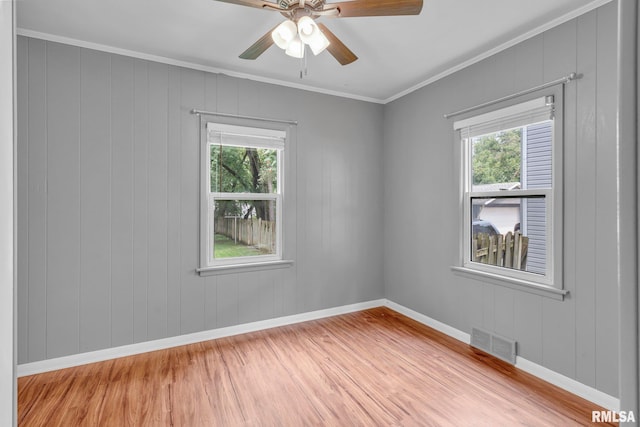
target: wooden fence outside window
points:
(508, 251)
(251, 232)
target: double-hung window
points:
(242, 195)
(511, 193)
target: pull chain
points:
(303, 63)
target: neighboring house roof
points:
(498, 187)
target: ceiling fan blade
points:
(258, 47)
(260, 4)
(377, 7)
(336, 47)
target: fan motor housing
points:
(311, 4)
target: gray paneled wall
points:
(108, 202)
(577, 337)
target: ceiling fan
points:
(300, 28)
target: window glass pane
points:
(243, 169)
(494, 220)
(496, 160)
(244, 228)
(513, 159)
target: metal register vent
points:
(500, 347)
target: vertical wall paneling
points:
(559, 58)
(570, 143)
(174, 202)
(279, 293)
(227, 300)
(22, 180)
(504, 313)
(122, 200)
(63, 199)
(528, 328)
(192, 292)
(95, 200)
(36, 197)
(317, 207)
(558, 332)
(286, 291)
(254, 292)
(210, 92)
(399, 181)
(606, 276)
(529, 65)
(559, 51)
(110, 187)
(627, 122)
(359, 189)
(227, 97)
(489, 305)
(250, 100)
(309, 237)
(211, 302)
(505, 70)
(583, 184)
(211, 282)
(140, 199)
(157, 191)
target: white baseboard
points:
(559, 380)
(566, 383)
(164, 343)
(426, 320)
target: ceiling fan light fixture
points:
(301, 27)
(284, 34)
(295, 48)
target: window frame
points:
(549, 284)
(208, 264)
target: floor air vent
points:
(502, 348)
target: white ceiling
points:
(395, 53)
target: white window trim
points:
(208, 266)
(547, 285)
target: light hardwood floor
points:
(371, 368)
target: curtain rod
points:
(563, 80)
(236, 116)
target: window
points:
(242, 195)
(511, 188)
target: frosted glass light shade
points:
(295, 48)
(284, 34)
(311, 35)
(306, 28)
(318, 43)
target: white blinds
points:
(240, 136)
(534, 111)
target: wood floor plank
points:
(370, 368)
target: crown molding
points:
(185, 64)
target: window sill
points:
(512, 283)
(244, 268)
